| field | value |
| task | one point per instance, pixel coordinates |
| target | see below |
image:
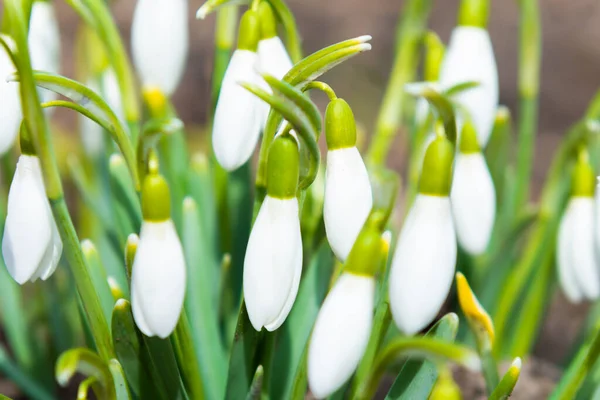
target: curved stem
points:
(323, 87)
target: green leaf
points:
(123, 189)
(440, 103)
(185, 350)
(417, 377)
(289, 370)
(26, 383)
(95, 104)
(89, 383)
(88, 363)
(98, 276)
(498, 149)
(213, 5)
(508, 382)
(202, 302)
(118, 375)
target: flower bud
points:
(159, 42)
(159, 272)
(273, 261)
(473, 195)
(479, 320)
(273, 57)
(436, 174)
(10, 111)
(348, 193)
(474, 13)
(239, 115)
(577, 265)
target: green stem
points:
(410, 31)
(489, 369)
(529, 79)
(323, 87)
(292, 36)
(268, 349)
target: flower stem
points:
(529, 79)
(292, 36)
(322, 86)
(410, 31)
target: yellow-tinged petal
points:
(472, 309)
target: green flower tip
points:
(283, 167)
(436, 174)
(474, 13)
(340, 127)
(156, 199)
(25, 141)
(268, 21)
(583, 177)
(468, 139)
(434, 56)
(368, 249)
(249, 32)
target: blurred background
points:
(570, 77)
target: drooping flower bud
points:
(273, 57)
(158, 274)
(577, 266)
(31, 244)
(470, 57)
(425, 258)
(473, 196)
(343, 326)
(239, 115)
(348, 194)
(44, 42)
(159, 41)
(273, 261)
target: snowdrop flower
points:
(31, 244)
(577, 265)
(273, 262)
(239, 114)
(158, 274)
(425, 257)
(348, 196)
(10, 101)
(470, 57)
(159, 42)
(343, 326)
(473, 196)
(272, 55)
(44, 42)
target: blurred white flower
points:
(273, 263)
(348, 199)
(31, 245)
(10, 104)
(158, 279)
(238, 116)
(159, 41)
(273, 57)
(423, 263)
(470, 57)
(341, 333)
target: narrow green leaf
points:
(213, 5)
(289, 365)
(417, 377)
(99, 278)
(186, 352)
(89, 383)
(498, 149)
(118, 375)
(201, 302)
(26, 383)
(508, 382)
(440, 103)
(88, 363)
(124, 192)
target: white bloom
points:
(158, 279)
(273, 263)
(159, 41)
(473, 200)
(423, 264)
(577, 266)
(273, 57)
(238, 116)
(44, 42)
(470, 57)
(10, 104)
(348, 199)
(341, 333)
(31, 245)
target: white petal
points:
(158, 278)
(566, 271)
(28, 231)
(423, 264)
(341, 334)
(273, 57)
(44, 42)
(473, 200)
(10, 104)
(159, 41)
(583, 256)
(138, 314)
(238, 117)
(56, 247)
(111, 93)
(273, 263)
(348, 199)
(470, 57)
